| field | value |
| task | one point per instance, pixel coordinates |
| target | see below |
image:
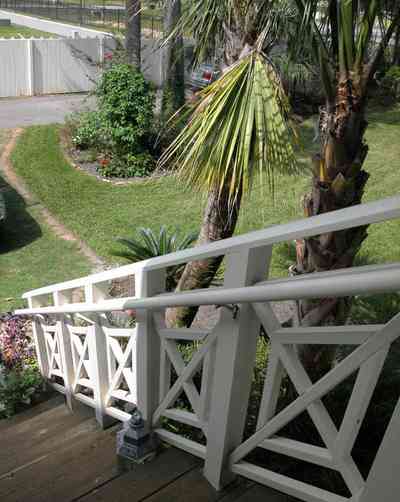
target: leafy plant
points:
(18, 387)
(20, 379)
(391, 81)
(126, 103)
(86, 130)
(148, 244)
(128, 166)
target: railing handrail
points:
(356, 281)
(363, 214)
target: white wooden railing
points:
(112, 369)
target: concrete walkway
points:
(40, 110)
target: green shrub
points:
(122, 128)
(129, 165)
(87, 130)
(126, 103)
(391, 81)
(20, 379)
(19, 387)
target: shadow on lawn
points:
(388, 115)
(19, 228)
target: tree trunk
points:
(338, 182)
(173, 63)
(219, 222)
(133, 42)
(396, 49)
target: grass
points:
(30, 255)
(15, 31)
(99, 212)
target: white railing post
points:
(39, 338)
(98, 353)
(64, 341)
(235, 356)
(99, 373)
(148, 344)
(383, 482)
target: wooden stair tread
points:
(49, 404)
(63, 474)
(39, 436)
(146, 478)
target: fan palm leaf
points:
(238, 130)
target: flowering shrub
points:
(20, 379)
(122, 131)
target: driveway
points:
(40, 110)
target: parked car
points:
(203, 75)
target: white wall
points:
(14, 68)
(62, 65)
(48, 66)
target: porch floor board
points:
(49, 455)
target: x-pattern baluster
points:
(368, 358)
(81, 360)
(122, 371)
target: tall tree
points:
(341, 40)
(133, 41)
(238, 128)
(173, 61)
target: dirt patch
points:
(55, 225)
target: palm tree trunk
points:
(338, 182)
(133, 42)
(173, 63)
(219, 222)
(396, 50)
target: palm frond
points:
(239, 129)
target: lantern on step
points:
(135, 443)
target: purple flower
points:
(16, 346)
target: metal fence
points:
(103, 15)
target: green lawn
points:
(15, 31)
(99, 212)
(30, 255)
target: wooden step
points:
(32, 438)
(51, 403)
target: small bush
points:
(126, 103)
(18, 388)
(87, 130)
(128, 166)
(391, 81)
(122, 129)
(20, 379)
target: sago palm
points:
(237, 130)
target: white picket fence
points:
(111, 369)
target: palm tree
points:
(340, 37)
(133, 40)
(173, 61)
(238, 128)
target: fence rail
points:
(84, 355)
(100, 15)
